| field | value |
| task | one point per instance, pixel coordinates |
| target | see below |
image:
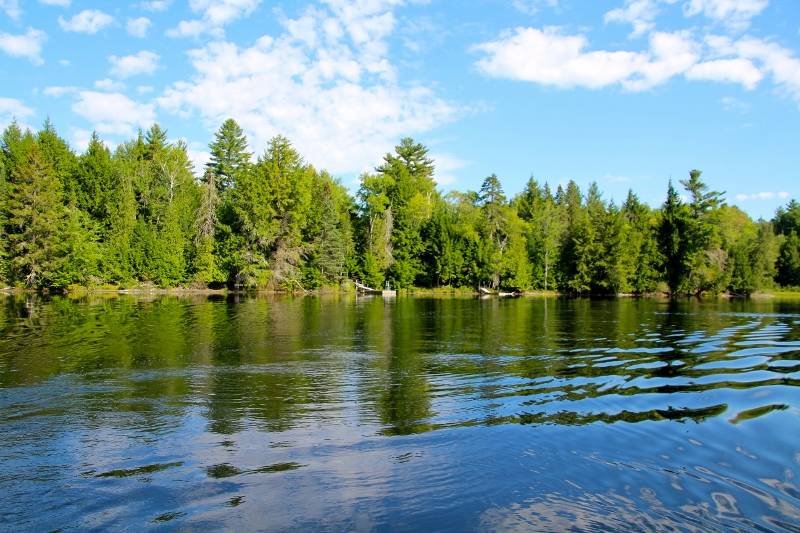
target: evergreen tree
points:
(229, 155)
(117, 259)
(206, 264)
(329, 232)
(706, 257)
(673, 241)
(642, 246)
(546, 224)
(788, 264)
(398, 202)
(576, 261)
(787, 220)
(787, 225)
(94, 181)
(495, 230)
(59, 156)
(34, 216)
(139, 215)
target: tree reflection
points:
(405, 365)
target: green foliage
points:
(672, 239)
(35, 214)
(229, 155)
(788, 263)
(329, 232)
(139, 215)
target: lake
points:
(408, 414)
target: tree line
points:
(139, 215)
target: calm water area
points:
(407, 414)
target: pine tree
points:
(94, 180)
(788, 264)
(642, 246)
(672, 240)
(706, 258)
(34, 216)
(59, 156)
(229, 155)
(495, 229)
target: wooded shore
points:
(139, 217)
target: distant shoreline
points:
(415, 291)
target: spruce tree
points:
(672, 240)
(94, 181)
(34, 217)
(229, 155)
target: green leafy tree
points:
(546, 225)
(412, 195)
(206, 263)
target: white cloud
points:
(144, 62)
(772, 58)
(214, 15)
(762, 196)
(138, 27)
(155, 5)
(113, 113)
(670, 54)
(28, 45)
(738, 70)
(736, 14)
(446, 165)
(783, 66)
(80, 138)
(144, 89)
(58, 3)
(11, 8)
(57, 91)
(199, 156)
(13, 109)
(326, 83)
(64, 62)
(108, 84)
(87, 21)
(549, 57)
(641, 14)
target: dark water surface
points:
(407, 414)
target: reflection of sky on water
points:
(409, 415)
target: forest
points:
(138, 216)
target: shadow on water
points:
(326, 393)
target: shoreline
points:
(414, 291)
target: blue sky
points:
(627, 93)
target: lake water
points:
(344, 413)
